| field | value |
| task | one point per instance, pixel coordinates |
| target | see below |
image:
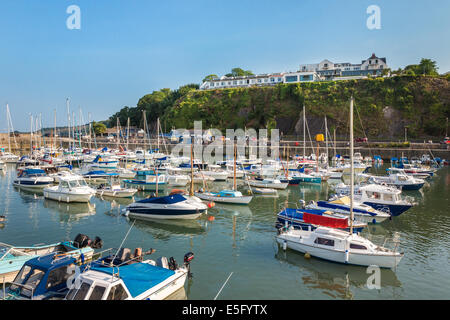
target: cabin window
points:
(79, 294)
(33, 281)
(324, 242)
(357, 246)
(21, 276)
(388, 197)
(97, 293)
(57, 277)
(117, 293)
(64, 184)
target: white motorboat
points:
(174, 206)
(70, 189)
(338, 246)
(114, 189)
(268, 183)
(32, 178)
(399, 179)
(218, 175)
(127, 276)
(225, 196)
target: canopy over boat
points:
(138, 277)
(171, 199)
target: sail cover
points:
(331, 222)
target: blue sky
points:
(126, 49)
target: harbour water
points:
(241, 240)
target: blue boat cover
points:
(138, 277)
(34, 171)
(175, 198)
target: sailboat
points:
(227, 196)
(339, 245)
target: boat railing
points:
(386, 242)
(15, 293)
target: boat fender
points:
(307, 255)
(284, 245)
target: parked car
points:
(361, 140)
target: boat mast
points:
(304, 133)
(54, 132)
(234, 168)
(90, 131)
(191, 191)
(68, 120)
(326, 141)
(157, 133)
(31, 135)
(128, 130)
(9, 130)
(118, 123)
(351, 166)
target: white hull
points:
(129, 193)
(231, 200)
(279, 186)
(340, 256)
(67, 197)
(145, 216)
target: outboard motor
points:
(97, 244)
(187, 260)
(302, 203)
(81, 241)
(172, 264)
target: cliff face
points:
(383, 107)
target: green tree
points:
(98, 127)
(427, 67)
(238, 72)
(210, 77)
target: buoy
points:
(307, 255)
(211, 218)
(211, 204)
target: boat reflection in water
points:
(70, 211)
(333, 279)
(29, 195)
(165, 228)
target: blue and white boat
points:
(362, 212)
(399, 179)
(12, 258)
(225, 196)
(149, 184)
(174, 206)
(383, 198)
(43, 278)
(32, 178)
(129, 277)
(99, 175)
(295, 217)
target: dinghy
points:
(12, 258)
